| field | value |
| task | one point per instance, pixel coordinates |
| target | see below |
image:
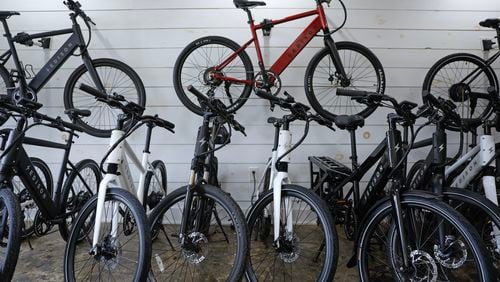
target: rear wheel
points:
(466, 80)
(310, 248)
(364, 72)
(155, 185)
(195, 66)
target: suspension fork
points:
(334, 54)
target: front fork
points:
(398, 216)
(337, 62)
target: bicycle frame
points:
(75, 41)
(318, 24)
(119, 173)
(17, 162)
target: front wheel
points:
(155, 185)
(451, 253)
(215, 244)
(122, 252)
(10, 233)
(364, 72)
(81, 184)
(307, 241)
(117, 78)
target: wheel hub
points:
(210, 76)
(289, 248)
(193, 250)
(453, 254)
(109, 252)
(459, 92)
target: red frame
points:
(319, 23)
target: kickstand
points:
(29, 243)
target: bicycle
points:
(75, 185)
(221, 68)
(468, 80)
(476, 165)
(201, 230)
(405, 235)
(288, 223)
(106, 244)
(108, 75)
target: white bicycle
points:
(118, 245)
(291, 228)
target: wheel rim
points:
(361, 75)
(115, 81)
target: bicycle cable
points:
(343, 23)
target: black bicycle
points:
(201, 229)
(76, 183)
(410, 236)
(479, 210)
(466, 79)
(107, 75)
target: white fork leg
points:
(101, 196)
(280, 178)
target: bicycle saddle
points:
(77, 113)
(273, 120)
(491, 23)
(245, 4)
(7, 14)
(351, 122)
(471, 123)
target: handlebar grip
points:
(92, 91)
(354, 93)
(197, 93)
(72, 126)
(265, 95)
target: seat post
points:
(354, 153)
(249, 14)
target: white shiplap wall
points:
(408, 37)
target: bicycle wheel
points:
(155, 185)
(28, 206)
(195, 66)
(121, 257)
(215, 251)
(456, 255)
(364, 72)
(312, 246)
(448, 78)
(10, 233)
(117, 78)
(80, 185)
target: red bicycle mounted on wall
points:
(221, 68)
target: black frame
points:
(17, 162)
(75, 41)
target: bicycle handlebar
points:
(218, 108)
(115, 101)
(30, 111)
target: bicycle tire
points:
(132, 90)
(30, 210)
(8, 202)
(328, 254)
(437, 78)
(72, 203)
(235, 258)
(350, 107)
(202, 83)
(143, 241)
(150, 200)
(432, 207)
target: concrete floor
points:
(45, 261)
